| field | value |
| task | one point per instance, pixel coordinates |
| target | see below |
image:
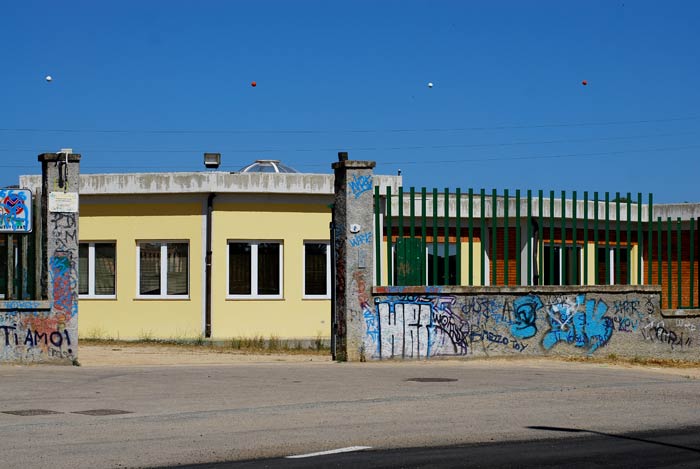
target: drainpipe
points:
(207, 273)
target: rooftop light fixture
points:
(212, 160)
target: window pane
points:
(315, 275)
(105, 268)
(555, 274)
(3, 264)
(451, 259)
(83, 272)
(571, 276)
(239, 272)
(177, 268)
(149, 275)
(268, 269)
(624, 266)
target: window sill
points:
(97, 297)
(254, 298)
(162, 298)
(316, 297)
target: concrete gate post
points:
(60, 180)
(354, 254)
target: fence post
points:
(354, 254)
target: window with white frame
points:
(567, 265)
(97, 269)
(317, 268)
(163, 269)
(255, 269)
(608, 267)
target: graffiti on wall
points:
(360, 184)
(30, 331)
(38, 331)
(15, 210)
(65, 226)
(427, 325)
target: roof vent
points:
(268, 166)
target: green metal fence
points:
(530, 239)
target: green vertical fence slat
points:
(596, 236)
(494, 245)
(669, 262)
(482, 235)
(377, 239)
(517, 237)
(639, 238)
(692, 263)
(617, 238)
(400, 244)
(607, 238)
(458, 235)
(505, 237)
(679, 242)
(629, 239)
(574, 238)
(471, 237)
(540, 241)
(551, 238)
(435, 237)
(446, 238)
(389, 229)
(412, 215)
(585, 237)
(401, 223)
(562, 235)
(529, 237)
(659, 255)
(650, 229)
(412, 233)
(423, 235)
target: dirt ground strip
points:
(145, 354)
(128, 354)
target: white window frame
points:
(328, 271)
(91, 271)
(163, 269)
(254, 269)
(579, 249)
(611, 256)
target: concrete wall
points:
(424, 322)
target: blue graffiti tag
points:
(524, 326)
(360, 185)
(587, 328)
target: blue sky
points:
(151, 85)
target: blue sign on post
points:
(16, 211)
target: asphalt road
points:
(668, 448)
(193, 414)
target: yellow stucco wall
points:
(290, 317)
(127, 317)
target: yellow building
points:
(145, 240)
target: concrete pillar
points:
(60, 188)
(354, 254)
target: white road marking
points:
(332, 451)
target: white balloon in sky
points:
(49, 78)
(430, 85)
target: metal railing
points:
(423, 237)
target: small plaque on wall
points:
(63, 202)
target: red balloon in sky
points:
(584, 82)
(253, 84)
